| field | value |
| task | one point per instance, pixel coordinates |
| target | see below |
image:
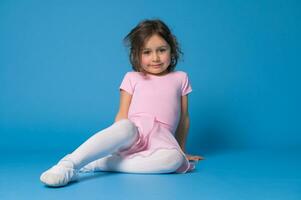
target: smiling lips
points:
(156, 66)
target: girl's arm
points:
(183, 128)
(125, 101)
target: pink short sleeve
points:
(126, 84)
(186, 87)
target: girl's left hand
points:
(194, 157)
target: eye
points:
(146, 52)
(162, 50)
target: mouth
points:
(156, 66)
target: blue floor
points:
(247, 174)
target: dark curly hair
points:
(137, 37)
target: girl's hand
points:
(194, 157)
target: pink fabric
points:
(155, 109)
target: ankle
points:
(67, 162)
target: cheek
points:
(166, 58)
(144, 60)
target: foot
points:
(59, 175)
(91, 167)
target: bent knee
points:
(126, 123)
(129, 130)
(171, 159)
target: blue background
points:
(61, 64)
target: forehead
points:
(155, 41)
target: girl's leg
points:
(120, 135)
(161, 161)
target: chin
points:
(155, 71)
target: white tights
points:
(95, 153)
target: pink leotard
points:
(155, 109)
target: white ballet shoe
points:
(59, 175)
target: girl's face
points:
(155, 56)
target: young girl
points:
(150, 128)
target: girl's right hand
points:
(194, 157)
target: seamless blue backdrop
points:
(61, 63)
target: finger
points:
(193, 158)
(197, 158)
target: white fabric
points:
(101, 147)
(118, 136)
(97, 154)
(60, 174)
(161, 161)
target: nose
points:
(156, 57)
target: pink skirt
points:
(153, 135)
